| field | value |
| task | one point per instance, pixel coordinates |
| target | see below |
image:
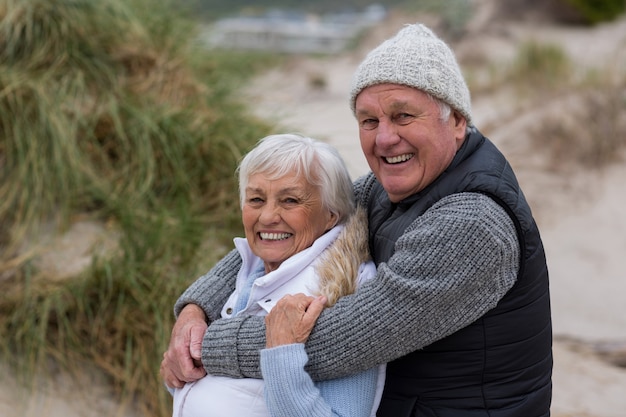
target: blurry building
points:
(291, 32)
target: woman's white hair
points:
(320, 163)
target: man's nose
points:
(386, 134)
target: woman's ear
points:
(332, 220)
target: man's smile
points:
(398, 159)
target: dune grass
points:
(109, 110)
(589, 130)
(581, 121)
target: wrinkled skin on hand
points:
(292, 319)
(182, 361)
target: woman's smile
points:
(283, 216)
(274, 236)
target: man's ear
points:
(460, 124)
(459, 118)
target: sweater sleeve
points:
(212, 289)
(452, 265)
(290, 391)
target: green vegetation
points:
(596, 11)
(110, 111)
(581, 122)
(545, 65)
(453, 12)
(591, 132)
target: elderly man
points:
(460, 305)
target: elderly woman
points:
(303, 236)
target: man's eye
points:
(369, 124)
(403, 118)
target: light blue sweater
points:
(283, 366)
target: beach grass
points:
(113, 113)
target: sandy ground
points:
(581, 217)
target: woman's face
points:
(282, 217)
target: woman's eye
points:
(290, 200)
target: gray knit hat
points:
(415, 57)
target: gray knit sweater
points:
(452, 265)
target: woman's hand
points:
(292, 319)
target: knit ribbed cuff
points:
(219, 348)
(231, 347)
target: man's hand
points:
(182, 360)
(292, 319)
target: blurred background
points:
(122, 122)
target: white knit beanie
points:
(415, 57)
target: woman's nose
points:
(269, 214)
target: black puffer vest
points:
(500, 365)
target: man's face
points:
(406, 144)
